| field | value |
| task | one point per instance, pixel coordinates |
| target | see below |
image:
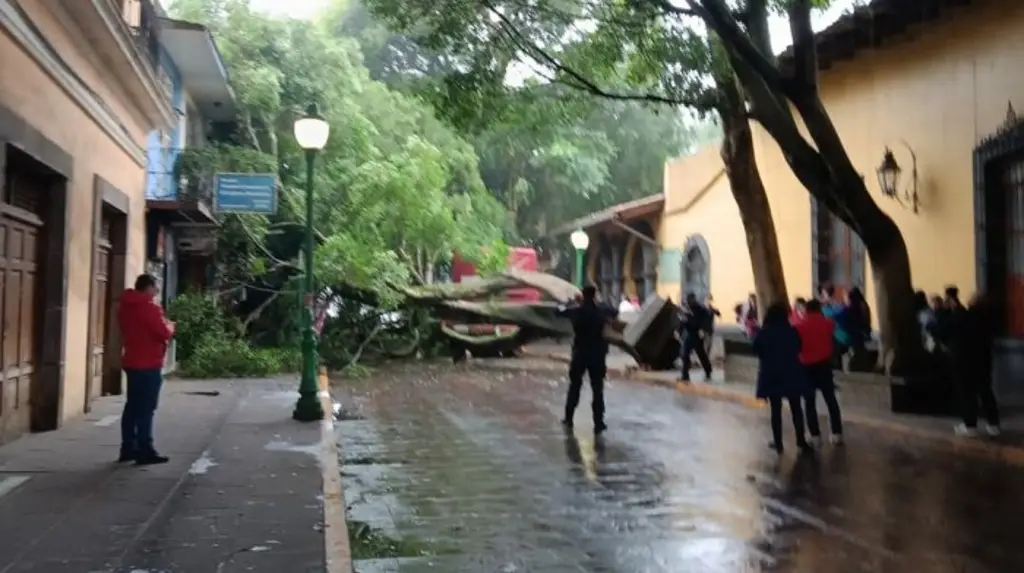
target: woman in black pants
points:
(780, 375)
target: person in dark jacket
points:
(694, 326)
(145, 335)
(947, 320)
(589, 354)
(713, 315)
(972, 339)
(780, 376)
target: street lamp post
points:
(580, 240)
(311, 132)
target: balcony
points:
(143, 20)
(204, 76)
(180, 184)
(125, 33)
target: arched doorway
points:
(695, 271)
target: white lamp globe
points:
(312, 130)
(579, 239)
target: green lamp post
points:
(311, 132)
(580, 241)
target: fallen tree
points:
(480, 303)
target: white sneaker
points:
(993, 430)
(815, 441)
(963, 431)
(837, 439)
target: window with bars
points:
(23, 184)
(838, 256)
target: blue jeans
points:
(139, 409)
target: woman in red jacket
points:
(816, 340)
(145, 335)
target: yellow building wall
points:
(703, 204)
(27, 90)
(941, 89)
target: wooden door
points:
(1013, 183)
(19, 254)
(100, 312)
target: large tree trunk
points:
(824, 168)
(901, 348)
(755, 212)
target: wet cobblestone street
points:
(466, 469)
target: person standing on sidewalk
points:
(589, 354)
(693, 329)
(973, 338)
(816, 340)
(145, 333)
(713, 315)
(779, 373)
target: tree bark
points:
(755, 212)
(824, 168)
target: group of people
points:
(795, 353)
(961, 338)
(850, 314)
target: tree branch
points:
(362, 347)
(576, 79)
(259, 310)
(719, 17)
(805, 53)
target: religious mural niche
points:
(696, 268)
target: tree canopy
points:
(413, 171)
(547, 153)
(713, 56)
(396, 189)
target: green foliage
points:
(210, 344)
(546, 153)
(195, 316)
(217, 357)
(396, 190)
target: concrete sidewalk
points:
(1007, 448)
(243, 491)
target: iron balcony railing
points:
(143, 20)
(177, 174)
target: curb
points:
(992, 450)
(337, 552)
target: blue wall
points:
(160, 183)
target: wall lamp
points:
(889, 179)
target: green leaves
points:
(396, 190)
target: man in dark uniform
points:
(693, 327)
(589, 351)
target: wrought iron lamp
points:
(889, 173)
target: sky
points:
(305, 9)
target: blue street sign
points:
(245, 193)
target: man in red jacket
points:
(145, 335)
(816, 340)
